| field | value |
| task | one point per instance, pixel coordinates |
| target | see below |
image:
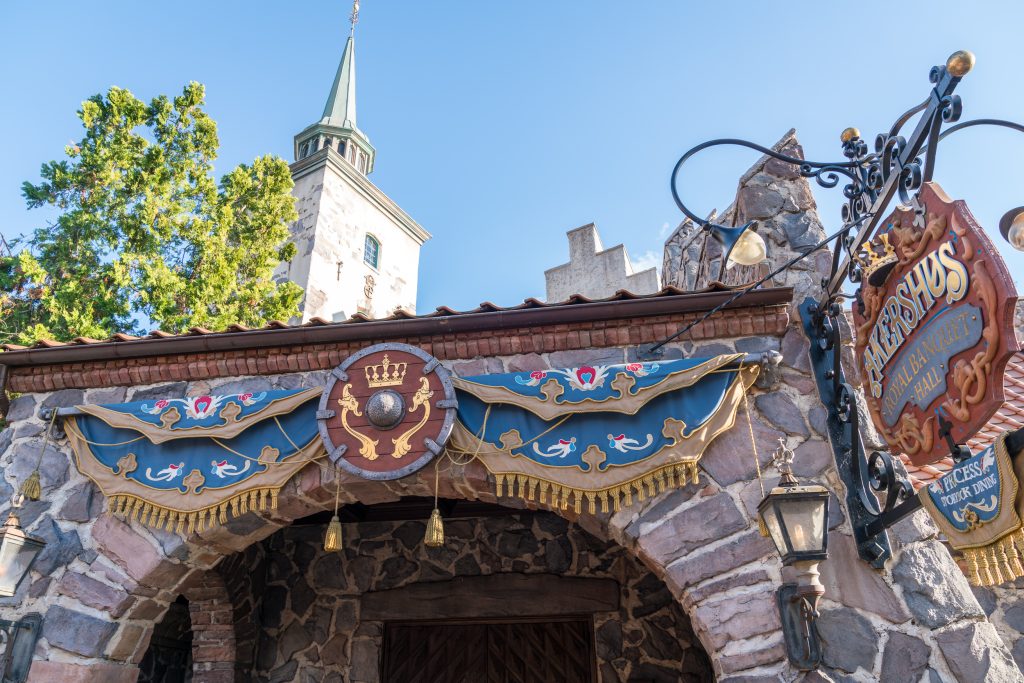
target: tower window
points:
(371, 251)
(341, 147)
(361, 163)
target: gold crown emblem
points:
(386, 374)
(876, 258)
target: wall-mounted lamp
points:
(796, 518)
(18, 551)
(1012, 227)
(740, 245)
(19, 642)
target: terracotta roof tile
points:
(401, 314)
(1010, 416)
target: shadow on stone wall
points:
(298, 608)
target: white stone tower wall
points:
(337, 208)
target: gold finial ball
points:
(849, 134)
(960, 63)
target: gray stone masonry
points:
(308, 601)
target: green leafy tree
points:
(143, 232)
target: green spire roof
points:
(340, 109)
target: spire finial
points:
(354, 17)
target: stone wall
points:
(102, 583)
(772, 193)
(308, 601)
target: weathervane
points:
(354, 17)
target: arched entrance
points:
(513, 596)
(697, 547)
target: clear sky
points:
(500, 125)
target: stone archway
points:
(524, 592)
(697, 540)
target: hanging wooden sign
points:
(934, 326)
(386, 411)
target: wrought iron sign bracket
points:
(843, 428)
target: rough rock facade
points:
(102, 583)
(310, 627)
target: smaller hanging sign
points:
(934, 326)
(386, 411)
(975, 507)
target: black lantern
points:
(18, 551)
(796, 519)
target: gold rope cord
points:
(761, 527)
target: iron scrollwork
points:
(895, 167)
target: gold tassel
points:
(1011, 549)
(592, 501)
(994, 565)
(435, 530)
(222, 513)
(332, 540)
(531, 485)
(972, 566)
(986, 574)
(629, 494)
(615, 501)
(273, 499)
(31, 488)
(499, 480)
(1004, 562)
(694, 473)
(577, 495)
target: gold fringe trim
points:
(555, 495)
(998, 562)
(132, 507)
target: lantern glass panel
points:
(17, 551)
(804, 519)
(771, 520)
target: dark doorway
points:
(169, 657)
(559, 650)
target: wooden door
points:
(527, 651)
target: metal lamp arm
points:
(825, 173)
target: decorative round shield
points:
(386, 411)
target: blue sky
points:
(499, 126)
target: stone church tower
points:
(358, 251)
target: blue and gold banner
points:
(976, 507)
(185, 463)
(599, 433)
